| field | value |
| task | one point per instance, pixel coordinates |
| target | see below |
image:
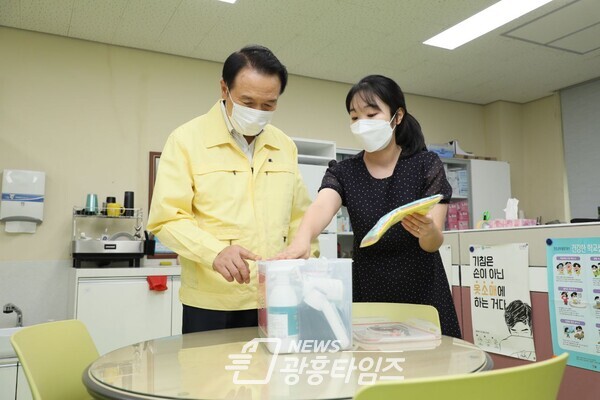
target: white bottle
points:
(282, 306)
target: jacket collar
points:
(221, 134)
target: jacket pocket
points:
(219, 190)
(278, 181)
(227, 235)
(277, 167)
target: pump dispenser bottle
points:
(283, 309)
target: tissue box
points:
(510, 223)
(305, 305)
(463, 215)
(452, 226)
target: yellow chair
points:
(397, 312)
(54, 356)
(536, 381)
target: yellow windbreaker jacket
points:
(208, 196)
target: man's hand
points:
(232, 264)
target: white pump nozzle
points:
(319, 301)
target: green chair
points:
(398, 312)
(536, 381)
(54, 356)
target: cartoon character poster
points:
(574, 296)
(500, 300)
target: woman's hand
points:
(427, 228)
(298, 249)
(419, 225)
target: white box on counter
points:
(305, 305)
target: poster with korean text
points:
(500, 301)
(574, 296)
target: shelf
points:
(314, 152)
(344, 154)
(459, 163)
(313, 160)
(347, 151)
(105, 216)
(311, 147)
(345, 233)
(78, 212)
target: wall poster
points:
(500, 300)
(446, 254)
(574, 296)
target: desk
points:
(203, 365)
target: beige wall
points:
(88, 114)
(545, 189)
(503, 139)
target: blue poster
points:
(574, 296)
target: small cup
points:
(128, 203)
(114, 210)
(91, 204)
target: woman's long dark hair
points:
(408, 134)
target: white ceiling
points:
(555, 46)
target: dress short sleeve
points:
(435, 178)
(333, 179)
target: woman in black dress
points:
(404, 266)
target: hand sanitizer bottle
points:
(283, 310)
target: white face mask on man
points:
(248, 121)
(373, 134)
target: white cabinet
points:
(8, 381)
(344, 228)
(13, 383)
(122, 311)
(313, 159)
(490, 188)
(119, 309)
(312, 175)
(23, 390)
(315, 152)
(478, 186)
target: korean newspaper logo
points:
(312, 361)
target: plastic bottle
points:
(282, 305)
(319, 301)
(486, 218)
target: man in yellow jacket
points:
(228, 192)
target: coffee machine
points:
(103, 237)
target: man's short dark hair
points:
(259, 58)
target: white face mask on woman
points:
(248, 121)
(373, 134)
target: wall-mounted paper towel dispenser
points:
(22, 204)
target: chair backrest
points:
(536, 381)
(54, 356)
(397, 312)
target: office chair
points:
(536, 381)
(54, 356)
(397, 312)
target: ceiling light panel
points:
(483, 22)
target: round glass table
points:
(235, 364)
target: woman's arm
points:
(316, 218)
